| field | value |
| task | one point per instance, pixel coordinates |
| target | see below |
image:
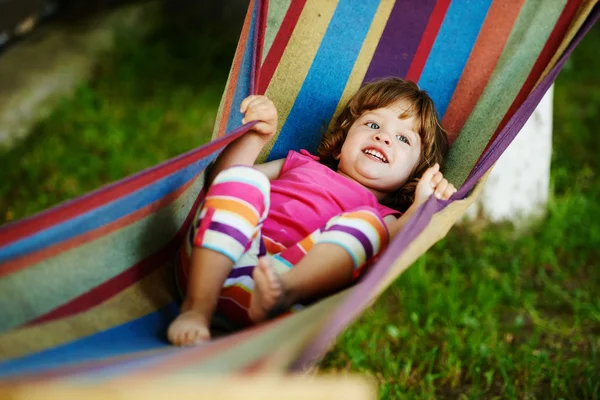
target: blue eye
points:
(372, 125)
(402, 138)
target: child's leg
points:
(339, 254)
(230, 217)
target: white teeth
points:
(376, 154)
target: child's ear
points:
(337, 156)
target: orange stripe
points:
(235, 71)
(52, 251)
(233, 206)
(492, 38)
(272, 246)
(306, 244)
(238, 294)
(374, 221)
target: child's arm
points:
(245, 149)
(432, 182)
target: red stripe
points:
(279, 44)
(122, 281)
(259, 43)
(25, 261)
(427, 40)
(554, 40)
(235, 72)
(20, 229)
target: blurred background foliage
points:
(484, 314)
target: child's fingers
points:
(430, 172)
(260, 113)
(450, 190)
(263, 111)
(246, 102)
(263, 128)
(440, 188)
(436, 179)
(255, 101)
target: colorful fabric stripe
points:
(530, 33)
(482, 62)
(330, 68)
(363, 61)
(400, 39)
(451, 50)
(427, 40)
(276, 42)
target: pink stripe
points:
(243, 191)
(293, 255)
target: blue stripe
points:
(242, 89)
(283, 261)
(327, 77)
(104, 215)
(221, 250)
(451, 50)
(145, 333)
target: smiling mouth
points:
(376, 154)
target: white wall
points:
(518, 186)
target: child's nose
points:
(383, 137)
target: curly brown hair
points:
(379, 94)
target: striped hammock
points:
(86, 288)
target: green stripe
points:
(275, 15)
(534, 25)
(53, 282)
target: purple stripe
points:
(360, 297)
(229, 231)
(241, 271)
(400, 39)
(362, 238)
(262, 250)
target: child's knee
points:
(232, 212)
(242, 182)
(361, 232)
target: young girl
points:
(275, 236)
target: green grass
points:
(481, 315)
(147, 102)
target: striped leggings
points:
(229, 221)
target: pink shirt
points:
(307, 194)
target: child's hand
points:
(433, 183)
(260, 108)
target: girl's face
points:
(381, 150)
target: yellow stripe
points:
(366, 54)
(145, 297)
(581, 15)
(296, 61)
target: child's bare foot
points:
(190, 328)
(269, 295)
